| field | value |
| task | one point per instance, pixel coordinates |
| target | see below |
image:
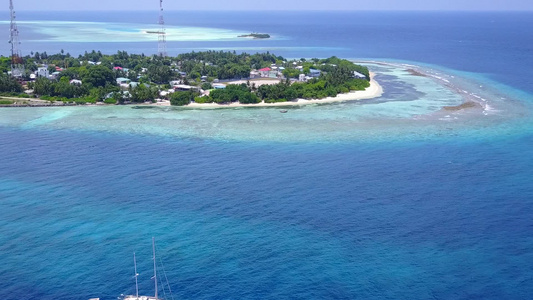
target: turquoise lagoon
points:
(410, 108)
(385, 198)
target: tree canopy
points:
(151, 74)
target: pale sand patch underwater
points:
(411, 107)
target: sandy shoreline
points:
(373, 91)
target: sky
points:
(32, 5)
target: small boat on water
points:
(283, 111)
(136, 296)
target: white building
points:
(122, 80)
(43, 72)
(358, 75)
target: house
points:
(124, 94)
(166, 93)
(264, 72)
(203, 78)
(254, 74)
(183, 87)
(75, 82)
(43, 72)
(273, 74)
(358, 75)
(301, 77)
(314, 73)
(54, 75)
(122, 80)
(174, 82)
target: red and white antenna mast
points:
(17, 68)
(162, 44)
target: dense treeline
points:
(9, 85)
(224, 65)
(334, 63)
(234, 93)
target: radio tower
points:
(162, 45)
(17, 69)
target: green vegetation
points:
(110, 101)
(257, 35)
(5, 102)
(14, 95)
(223, 65)
(92, 77)
(339, 80)
(9, 84)
(206, 86)
(234, 93)
(182, 98)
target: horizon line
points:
(281, 10)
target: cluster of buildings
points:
(273, 72)
(45, 72)
(276, 72)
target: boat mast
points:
(136, 275)
(155, 270)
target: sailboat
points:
(136, 296)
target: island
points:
(210, 78)
(256, 35)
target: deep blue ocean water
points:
(428, 218)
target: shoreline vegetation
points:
(256, 36)
(193, 79)
(374, 90)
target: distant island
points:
(256, 35)
(155, 32)
(196, 78)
